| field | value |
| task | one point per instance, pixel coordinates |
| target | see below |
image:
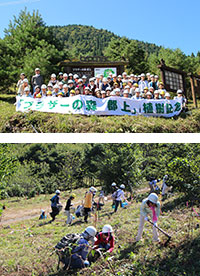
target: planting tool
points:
(161, 230)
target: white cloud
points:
(17, 2)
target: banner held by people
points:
(89, 105)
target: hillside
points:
(27, 244)
(87, 40)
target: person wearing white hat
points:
(167, 96)
(137, 94)
(148, 95)
(27, 92)
(117, 92)
(70, 76)
(55, 90)
(44, 90)
(66, 90)
(126, 93)
(78, 257)
(124, 76)
(53, 80)
(20, 84)
(153, 83)
(142, 83)
(37, 79)
(103, 94)
(98, 81)
(24, 85)
(92, 85)
(65, 78)
(84, 78)
(119, 196)
(60, 84)
(81, 86)
(105, 239)
(148, 77)
(156, 95)
(150, 207)
(55, 204)
(181, 98)
(76, 78)
(70, 85)
(60, 76)
(113, 93)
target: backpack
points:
(65, 246)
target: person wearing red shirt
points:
(105, 239)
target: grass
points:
(26, 247)
(15, 122)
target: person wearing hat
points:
(72, 93)
(43, 215)
(20, 84)
(49, 93)
(87, 91)
(88, 202)
(44, 90)
(67, 208)
(162, 94)
(97, 81)
(77, 91)
(50, 87)
(156, 95)
(105, 239)
(60, 84)
(81, 86)
(167, 96)
(148, 77)
(181, 97)
(27, 92)
(119, 196)
(24, 85)
(153, 83)
(97, 93)
(150, 207)
(161, 85)
(148, 95)
(92, 85)
(108, 91)
(55, 205)
(65, 79)
(79, 254)
(55, 90)
(124, 77)
(65, 90)
(137, 95)
(117, 92)
(70, 85)
(84, 78)
(142, 83)
(53, 80)
(60, 76)
(70, 76)
(114, 82)
(119, 78)
(37, 79)
(103, 94)
(104, 84)
(126, 93)
(60, 95)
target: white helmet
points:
(107, 229)
(93, 189)
(53, 75)
(137, 90)
(57, 192)
(114, 184)
(27, 89)
(179, 91)
(65, 75)
(122, 186)
(76, 76)
(91, 230)
(153, 198)
(113, 93)
(25, 80)
(56, 86)
(44, 86)
(70, 81)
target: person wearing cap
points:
(117, 92)
(114, 82)
(119, 196)
(67, 208)
(181, 97)
(42, 215)
(60, 76)
(103, 94)
(124, 76)
(104, 84)
(156, 95)
(24, 85)
(60, 84)
(37, 79)
(20, 84)
(151, 89)
(65, 90)
(119, 78)
(55, 202)
(98, 81)
(153, 83)
(79, 254)
(105, 239)
(148, 95)
(148, 77)
(81, 86)
(55, 90)
(37, 91)
(49, 93)
(108, 91)
(142, 83)
(126, 93)
(53, 80)
(44, 90)
(112, 93)
(76, 78)
(132, 90)
(92, 85)
(161, 85)
(162, 94)
(65, 79)
(77, 91)
(50, 87)
(167, 96)
(88, 202)
(85, 83)
(60, 95)
(72, 93)
(87, 91)
(157, 80)
(27, 92)
(70, 76)
(70, 85)
(97, 93)
(137, 94)
(150, 207)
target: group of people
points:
(149, 211)
(129, 86)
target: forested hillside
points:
(87, 40)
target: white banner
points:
(105, 71)
(89, 105)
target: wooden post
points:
(193, 90)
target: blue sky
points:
(170, 23)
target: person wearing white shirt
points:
(142, 83)
(119, 196)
